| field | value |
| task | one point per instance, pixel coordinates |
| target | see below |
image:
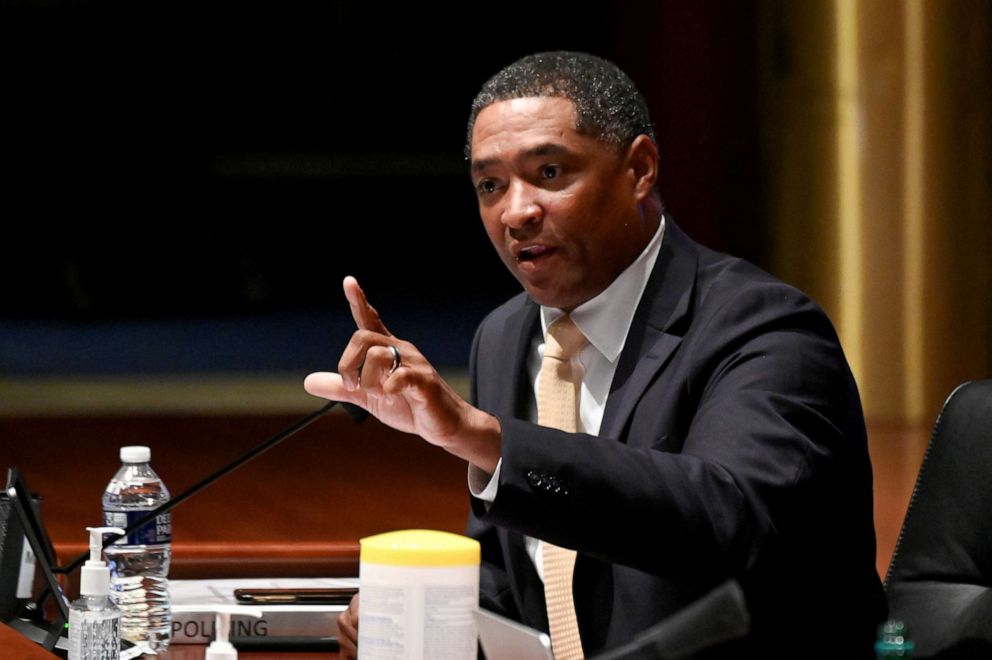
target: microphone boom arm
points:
(357, 413)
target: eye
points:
(485, 186)
(550, 171)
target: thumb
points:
(329, 385)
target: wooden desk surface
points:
(14, 646)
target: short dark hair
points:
(607, 104)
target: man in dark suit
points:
(717, 429)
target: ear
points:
(642, 159)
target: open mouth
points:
(533, 253)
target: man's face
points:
(561, 208)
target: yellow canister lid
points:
(420, 547)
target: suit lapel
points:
(655, 332)
(511, 400)
(518, 331)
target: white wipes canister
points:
(418, 591)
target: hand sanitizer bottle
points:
(94, 620)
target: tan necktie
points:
(557, 407)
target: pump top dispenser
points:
(94, 579)
(221, 648)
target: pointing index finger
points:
(366, 318)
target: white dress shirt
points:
(605, 321)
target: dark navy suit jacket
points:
(732, 446)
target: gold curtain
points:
(877, 116)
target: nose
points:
(522, 205)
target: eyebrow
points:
(543, 149)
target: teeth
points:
(533, 251)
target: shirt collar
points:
(605, 319)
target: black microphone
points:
(719, 616)
(355, 412)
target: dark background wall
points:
(204, 175)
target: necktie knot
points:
(564, 339)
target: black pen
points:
(285, 643)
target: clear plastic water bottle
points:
(139, 563)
